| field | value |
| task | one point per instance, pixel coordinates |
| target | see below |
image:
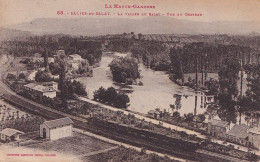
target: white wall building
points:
(51, 84)
(41, 59)
(254, 137)
(9, 134)
(218, 128)
(38, 90)
(75, 57)
(56, 129)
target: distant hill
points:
(148, 25)
(11, 34)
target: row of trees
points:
(24, 124)
(207, 55)
(90, 50)
(119, 45)
(153, 54)
(112, 97)
(231, 102)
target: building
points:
(75, 61)
(38, 90)
(9, 134)
(41, 59)
(238, 134)
(254, 137)
(75, 57)
(51, 84)
(154, 114)
(217, 128)
(74, 64)
(37, 55)
(209, 99)
(60, 53)
(56, 129)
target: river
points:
(158, 91)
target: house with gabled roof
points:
(75, 57)
(55, 129)
(9, 134)
(154, 114)
(38, 90)
(218, 128)
(254, 137)
(238, 134)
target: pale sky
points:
(18, 11)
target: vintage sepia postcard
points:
(129, 80)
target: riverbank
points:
(157, 91)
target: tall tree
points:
(176, 61)
(253, 79)
(228, 77)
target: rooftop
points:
(42, 88)
(218, 123)
(48, 83)
(39, 87)
(153, 111)
(58, 122)
(10, 132)
(239, 131)
(255, 130)
(37, 55)
(75, 55)
(30, 85)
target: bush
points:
(69, 89)
(111, 97)
(189, 117)
(176, 115)
(201, 117)
(42, 76)
(21, 76)
(10, 76)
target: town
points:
(153, 97)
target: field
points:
(125, 154)
(8, 112)
(77, 145)
(17, 66)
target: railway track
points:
(147, 143)
(91, 127)
(151, 145)
(49, 114)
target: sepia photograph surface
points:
(129, 80)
